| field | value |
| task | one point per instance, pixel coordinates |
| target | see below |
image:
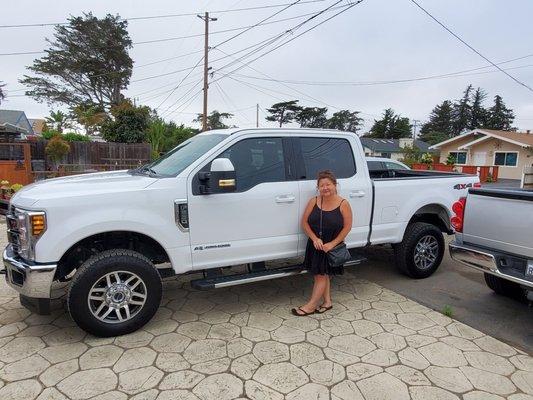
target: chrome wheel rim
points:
(426, 252)
(117, 297)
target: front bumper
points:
(491, 262)
(33, 282)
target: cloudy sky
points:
(367, 46)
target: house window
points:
(506, 159)
(459, 156)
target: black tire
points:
(406, 251)
(94, 271)
(504, 287)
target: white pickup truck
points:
(223, 198)
(495, 235)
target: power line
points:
(375, 83)
(165, 15)
(295, 37)
(257, 24)
(470, 47)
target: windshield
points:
(183, 155)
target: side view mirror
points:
(220, 179)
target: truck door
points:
(314, 154)
(256, 222)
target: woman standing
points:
(336, 215)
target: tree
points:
(345, 120)
(391, 126)
(499, 117)
(87, 63)
(284, 112)
(478, 114)
(164, 136)
(214, 120)
(462, 112)
(440, 121)
(58, 120)
(312, 117)
(411, 155)
(128, 125)
(2, 93)
(90, 116)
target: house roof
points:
(15, 118)
(391, 145)
(519, 138)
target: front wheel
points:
(421, 250)
(114, 293)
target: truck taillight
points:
(477, 185)
(459, 209)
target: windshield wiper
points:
(143, 169)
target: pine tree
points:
(283, 112)
(462, 112)
(440, 124)
(390, 126)
(478, 115)
(312, 117)
(500, 117)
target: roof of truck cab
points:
(231, 131)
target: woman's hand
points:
(318, 244)
(328, 246)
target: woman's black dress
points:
(316, 261)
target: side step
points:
(240, 279)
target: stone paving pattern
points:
(242, 342)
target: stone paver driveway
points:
(242, 342)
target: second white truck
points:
(221, 198)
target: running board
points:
(241, 279)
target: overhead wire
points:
(165, 15)
(469, 46)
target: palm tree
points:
(58, 120)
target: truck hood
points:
(80, 185)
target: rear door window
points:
(332, 154)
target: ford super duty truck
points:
(495, 235)
(222, 198)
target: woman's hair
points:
(326, 174)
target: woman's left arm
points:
(347, 218)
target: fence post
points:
(27, 163)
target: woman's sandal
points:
(323, 309)
(305, 313)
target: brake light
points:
(459, 209)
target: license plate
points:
(529, 269)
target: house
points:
(510, 151)
(14, 125)
(391, 148)
(37, 124)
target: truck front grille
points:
(13, 234)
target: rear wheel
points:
(504, 287)
(114, 293)
(421, 250)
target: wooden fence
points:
(96, 153)
(15, 166)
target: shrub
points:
(16, 187)
(75, 137)
(57, 148)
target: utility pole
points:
(415, 124)
(206, 20)
(257, 115)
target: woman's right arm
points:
(317, 242)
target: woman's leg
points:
(319, 288)
(327, 293)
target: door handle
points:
(357, 193)
(287, 198)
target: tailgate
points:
(501, 220)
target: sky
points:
(350, 56)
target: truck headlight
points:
(31, 226)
